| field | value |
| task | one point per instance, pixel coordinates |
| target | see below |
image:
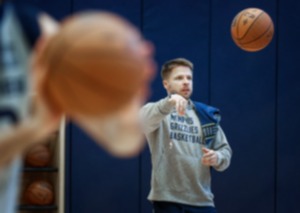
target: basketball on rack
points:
(39, 193)
(38, 156)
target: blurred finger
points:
(182, 104)
(120, 133)
(205, 150)
(209, 155)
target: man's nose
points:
(186, 81)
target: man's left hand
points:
(210, 157)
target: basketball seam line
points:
(251, 26)
(237, 24)
(248, 42)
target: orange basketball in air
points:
(252, 29)
(94, 64)
(39, 193)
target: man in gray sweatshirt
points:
(185, 141)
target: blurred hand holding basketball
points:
(210, 157)
(252, 29)
(97, 70)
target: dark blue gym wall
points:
(57, 8)
(288, 103)
(258, 94)
(243, 86)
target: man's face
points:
(180, 82)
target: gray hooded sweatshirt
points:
(175, 144)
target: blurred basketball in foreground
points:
(252, 29)
(96, 63)
(39, 193)
(38, 156)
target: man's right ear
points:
(166, 84)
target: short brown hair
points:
(168, 66)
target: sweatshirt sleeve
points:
(152, 114)
(223, 149)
